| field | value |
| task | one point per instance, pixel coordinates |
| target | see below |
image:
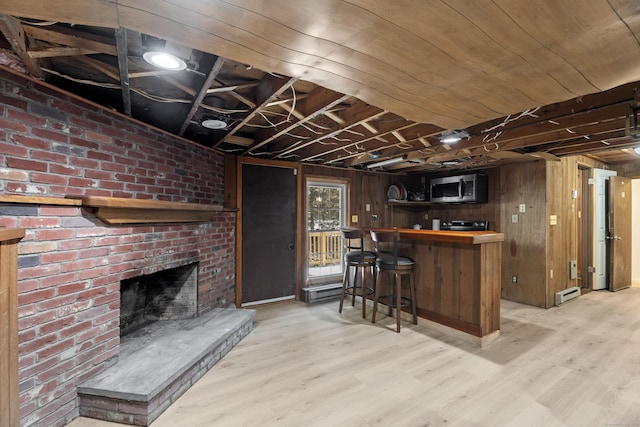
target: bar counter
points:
(458, 277)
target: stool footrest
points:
(390, 301)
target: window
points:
(326, 203)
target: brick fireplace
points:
(71, 264)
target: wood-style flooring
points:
(307, 365)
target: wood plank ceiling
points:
(349, 83)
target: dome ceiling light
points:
(214, 124)
(164, 60)
(453, 136)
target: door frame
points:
(240, 161)
(347, 203)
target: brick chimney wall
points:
(70, 263)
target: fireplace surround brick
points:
(70, 263)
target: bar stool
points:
(388, 261)
(357, 257)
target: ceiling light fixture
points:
(164, 60)
(214, 124)
(453, 136)
(637, 150)
(387, 162)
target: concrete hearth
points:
(158, 363)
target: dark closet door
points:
(268, 232)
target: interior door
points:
(619, 233)
(600, 245)
(268, 232)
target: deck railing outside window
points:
(325, 250)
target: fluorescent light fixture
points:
(214, 124)
(164, 60)
(453, 136)
(387, 162)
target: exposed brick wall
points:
(70, 264)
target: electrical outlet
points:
(522, 208)
(514, 279)
(514, 218)
(354, 219)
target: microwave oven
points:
(470, 188)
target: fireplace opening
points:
(170, 294)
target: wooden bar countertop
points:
(463, 237)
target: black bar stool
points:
(357, 257)
(388, 261)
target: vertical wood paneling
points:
(524, 248)
(9, 404)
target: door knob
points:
(290, 246)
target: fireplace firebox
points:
(170, 294)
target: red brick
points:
(56, 302)
(90, 294)
(65, 170)
(72, 288)
(56, 257)
(13, 126)
(98, 137)
(57, 234)
(55, 326)
(81, 182)
(50, 135)
(26, 164)
(84, 163)
(39, 295)
(57, 279)
(84, 264)
(26, 118)
(49, 156)
(32, 347)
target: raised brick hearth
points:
(158, 363)
(70, 263)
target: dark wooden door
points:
(619, 232)
(268, 232)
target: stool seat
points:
(357, 258)
(388, 262)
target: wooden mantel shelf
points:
(120, 210)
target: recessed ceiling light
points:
(164, 60)
(214, 124)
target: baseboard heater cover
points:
(321, 293)
(567, 295)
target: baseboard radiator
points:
(321, 293)
(567, 295)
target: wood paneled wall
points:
(9, 390)
(524, 248)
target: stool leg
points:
(398, 286)
(376, 292)
(344, 285)
(412, 284)
(364, 293)
(355, 287)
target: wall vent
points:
(567, 295)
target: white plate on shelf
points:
(394, 193)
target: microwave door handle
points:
(460, 188)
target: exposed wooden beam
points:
(57, 51)
(269, 89)
(123, 66)
(103, 67)
(73, 38)
(14, 32)
(215, 69)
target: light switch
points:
(367, 207)
(522, 208)
(553, 220)
(354, 219)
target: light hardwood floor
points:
(307, 365)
